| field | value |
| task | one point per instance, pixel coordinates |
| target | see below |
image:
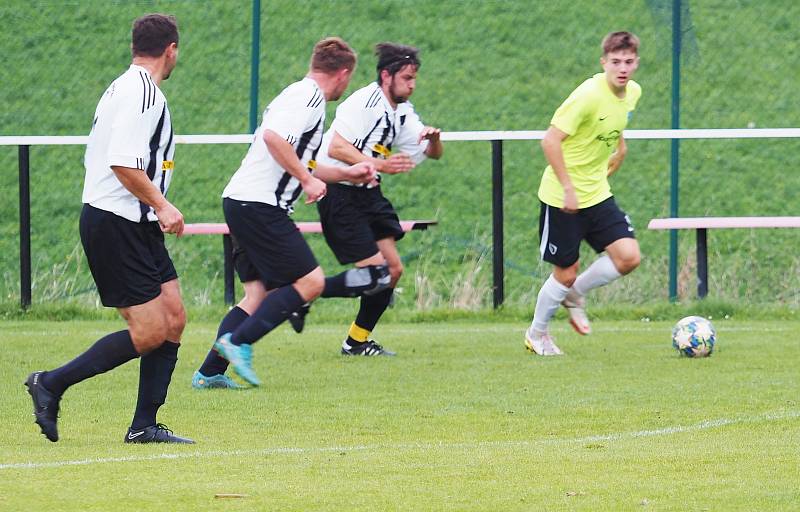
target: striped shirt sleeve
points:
(406, 142)
(291, 113)
(134, 120)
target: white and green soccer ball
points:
(694, 336)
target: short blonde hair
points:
(617, 41)
(332, 54)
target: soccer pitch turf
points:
(462, 419)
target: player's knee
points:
(311, 285)
(368, 280)
(566, 275)
(176, 321)
(147, 338)
(629, 263)
(316, 284)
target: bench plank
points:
(205, 228)
(724, 222)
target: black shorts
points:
(128, 260)
(354, 218)
(268, 245)
(561, 233)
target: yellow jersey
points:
(593, 117)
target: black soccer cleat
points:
(368, 348)
(45, 406)
(298, 318)
(158, 433)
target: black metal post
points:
(230, 290)
(24, 227)
(497, 221)
(702, 263)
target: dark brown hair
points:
(618, 41)
(152, 33)
(393, 57)
(332, 54)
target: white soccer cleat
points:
(576, 307)
(541, 344)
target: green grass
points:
(462, 419)
(487, 65)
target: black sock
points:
(372, 307)
(214, 364)
(335, 286)
(276, 308)
(107, 353)
(155, 373)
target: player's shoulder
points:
(136, 87)
(305, 92)
(634, 88)
(369, 97)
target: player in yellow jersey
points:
(584, 145)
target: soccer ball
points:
(694, 336)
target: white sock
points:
(599, 273)
(547, 303)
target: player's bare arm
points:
(435, 147)
(615, 161)
(285, 155)
(362, 172)
(137, 182)
(551, 145)
(344, 151)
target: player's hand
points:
(363, 172)
(431, 133)
(570, 201)
(396, 164)
(314, 189)
(170, 219)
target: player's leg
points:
(211, 373)
(120, 263)
(157, 362)
(236, 347)
(560, 236)
(385, 228)
(282, 258)
(373, 305)
(611, 231)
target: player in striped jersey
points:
(584, 146)
(375, 124)
(273, 260)
(128, 171)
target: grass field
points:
(462, 419)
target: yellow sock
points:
(358, 334)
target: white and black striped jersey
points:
(131, 128)
(298, 115)
(367, 120)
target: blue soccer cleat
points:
(221, 381)
(240, 357)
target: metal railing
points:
(496, 139)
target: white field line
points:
(619, 436)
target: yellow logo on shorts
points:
(312, 164)
(168, 165)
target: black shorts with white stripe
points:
(561, 233)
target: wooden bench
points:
(304, 227)
(703, 224)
